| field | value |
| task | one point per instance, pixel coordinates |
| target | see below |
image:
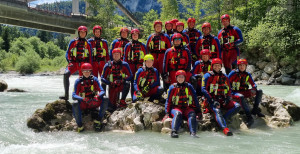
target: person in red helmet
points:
(174, 21)
(100, 51)
(120, 42)
(200, 68)
(176, 58)
(169, 27)
(135, 52)
(180, 28)
(240, 80)
(230, 37)
(194, 35)
(208, 41)
(78, 52)
(157, 44)
(88, 94)
(217, 91)
(117, 75)
(182, 103)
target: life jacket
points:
(99, 52)
(219, 86)
(178, 61)
(157, 45)
(148, 78)
(227, 36)
(87, 87)
(206, 42)
(192, 35)
(115, 72)
(182, 96)
(121, 45)
(241, 81)
(136, 54)
(80, 52)
(169, 32)
(204, 67)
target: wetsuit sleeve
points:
(126, 50)
(68, 52)
(156, 82)
(165, 65)
(112, 46)
(104, 74)
(230, 76)
(197, 63)
(194, 96)
(128, 71)
(136, 78)
(189, 61)
(251, 81)
(101, 92)
(241, 39)
(168, 103)
(205, 86)
(75, 94)
(218, 47)
(106, 48)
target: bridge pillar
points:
(75, 7)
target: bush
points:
(28, 62)
(59, 61)
(20, 45)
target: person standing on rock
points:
(78, 52)
(146, 82)
(194, 35)
(182, 103)
(100, 51)
(230, 37)
(240, 80)
(217, 91)
(168, 27)
(176, 58)
(135, 52)
(157, 44)
(185, 37)
(200, 68)
(120, 42)
(88, 94)
(208, 41)
(117, 75)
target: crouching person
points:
(182, 103)
(146, 81)
(216, 89)
(88, 94)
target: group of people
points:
(188, 63)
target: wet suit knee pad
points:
(176, 121)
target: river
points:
(16, 137)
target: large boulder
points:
(250, 69)
(261, 65)
(297, 82)
(256, 75)
(270, 68)
(287, 80)
(265, 76)
(298, 75)
(3, 85)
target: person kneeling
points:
(88, 94)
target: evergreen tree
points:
(169, 9)
(44, 36)
(6, 38)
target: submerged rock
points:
(15, 90)
(57, 116)
(3, 85)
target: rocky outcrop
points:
(3, 85)
(57, 116)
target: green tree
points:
(21, 45)
(61, 42)
(148, 21)
(38, 46)
(6, 38)
(44, 36)
(169, 9)
(28, 62)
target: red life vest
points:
(99, 52)
(157, 44)
(192, 35)
(207, 43)
(136, 54)
(182, 96)
(87, 87)
(240, 83)
(177, 61)
(219, 87)
(227, 36)
(147, 78)
(80, 52)
(116, 72)
(204, 67)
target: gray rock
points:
(297, 82)
(166, 130)
(138, 126)
(265, 76)
(167, 123)
(270, 68)
(298, 75)
(157, 126)
(287, 80)
(261, 65)
(3, 85)
(256, 75)
(289, 70)
(250, 69)
(15, 90)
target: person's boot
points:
(194, 135)
(227, 132)
(256, 110)
(174, 134)
(66, 86)
(97, 125)
(249, 121)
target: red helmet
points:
(168, 22)
(135, 31)
(216, 61)
(157, 22)
(180, 72)
(205, 52)
(174, 21)
(191, 20)
(86, 66)
(177, 35)
(97, 27)
(82, 28)
(180, 24)
(242, 61)
(117, 50)
(206, 24)
(225, 16)
(124, 29)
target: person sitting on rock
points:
(217, 91)
(200, 68)
(181, 103)
(88, 94)
(146, 81)
(240, 80)
(117, 75)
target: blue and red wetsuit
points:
(198, 71)
(217, 91)
(182, 103)
(157, 44)
(194, 35)
(177, 58)
(118, 76)
(100, 54)
(146, 81)
(230, 38)
(88, 94)
(118, 43)
(211, 43)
